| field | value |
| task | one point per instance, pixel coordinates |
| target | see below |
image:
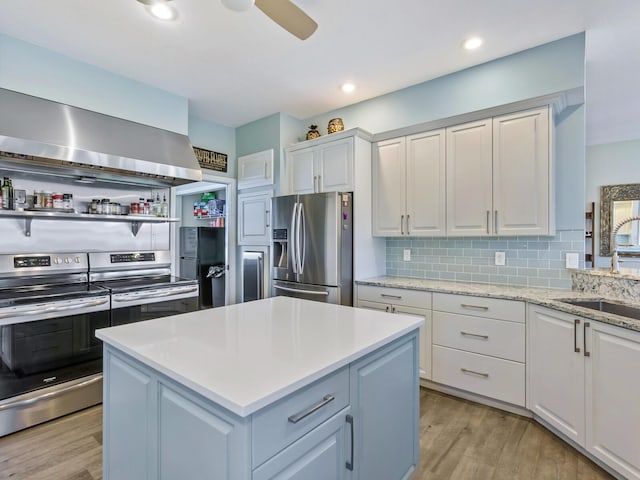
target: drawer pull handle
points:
(474, 307)
(485, 375)
(576, 348)
(386, 295)
(349, 420)
(584, 339)
(305, 413)
(476, 335)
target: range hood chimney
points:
(54, 136)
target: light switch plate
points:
(406, 255)
(500, 258)
(572, 260)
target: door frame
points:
(208, 180)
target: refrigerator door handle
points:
(292, 237)
(299, 290)
(302, 239)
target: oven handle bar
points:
(25, 313)
(164, 293)
(54, 393)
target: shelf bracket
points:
(27, 227)
(135, 227)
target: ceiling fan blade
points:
(289, 16)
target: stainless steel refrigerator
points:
(200, 249)
(313, 247)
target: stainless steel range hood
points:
(47, 136)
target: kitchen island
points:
(276, 388)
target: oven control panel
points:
(133, 257)
(26, 262)
(65, 261)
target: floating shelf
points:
(136, 221)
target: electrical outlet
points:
(572, 260)
(500, 258)
(407, 254)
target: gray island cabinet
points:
(279, 388)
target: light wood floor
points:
(460, 440)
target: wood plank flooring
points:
(459, 440)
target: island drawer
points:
(480, 335)
(395, 296)
(279, 425)
(511, 310)
(492, 377)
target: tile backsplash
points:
(530, 261)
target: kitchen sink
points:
(608, 307)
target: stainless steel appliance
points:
(200, 249)
(50, 360)
(252, 274)
(141, 285)
(313, 247)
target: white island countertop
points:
(246, 356)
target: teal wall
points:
(219, 138)
(610, 164)
(36, 71)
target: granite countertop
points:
(249, 355)
(547, 297)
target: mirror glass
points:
(618, 202)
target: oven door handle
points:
(155, 295)
(26, 313)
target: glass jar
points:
(133, 208)
(106, 209)
(48, 200)
(57, 200)
(67, 201)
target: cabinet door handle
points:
(314, 408)
(267, 216)
(315, 178)
(408, 232)
(319, 183)
(387, 295)
(495, 221)
(473, 372)
(576, 348)
(584, 339)
(401, 224)
(474, 307)
(488, 221)
(349, 465)
(393, 309)
(476, 335)
(387, 309)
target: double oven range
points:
(50, 307)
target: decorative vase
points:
(335, 125)
(313, 132)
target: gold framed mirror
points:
(618, 202)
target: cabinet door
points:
(426, 182)
(388, 177)
(334, 166)
(384, 400)
(469, 177)
(254, 218)
(521, 173)
(301, 171)
(612, 393)
(556, 370)
(255, 170)
(320, 455)
(425, 337)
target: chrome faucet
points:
(615, 260)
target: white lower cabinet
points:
(359, 422)
(582, 382)
(409, 302)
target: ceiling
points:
(236, 67)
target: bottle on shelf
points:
(164, 207)
(156, 209)
(7, 194)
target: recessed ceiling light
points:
(472, 43)
(348, 87)
(160, 9)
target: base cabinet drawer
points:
(496, 338)
(396, 296)
(492, 377)
(511, 310)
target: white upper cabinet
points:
(409, 185)
(499, 176)
(255, 170)
(522, 173)
(254, 218)
(327, 167)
